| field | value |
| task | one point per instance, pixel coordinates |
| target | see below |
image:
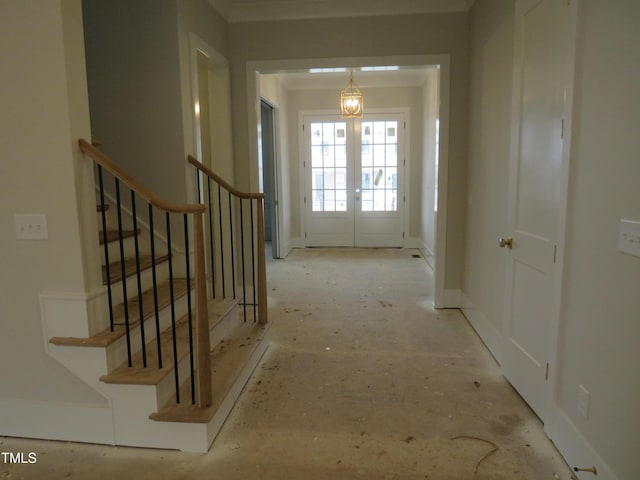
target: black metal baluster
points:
(155, 284)
(244, 282)
(224, 295)
(231, 241)
(105, 242)
(198, 178)
(139, 279)
(173, 311)
(124, 274)
(189, 315)
(211, 244)
(253, 265)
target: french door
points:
(354, 180)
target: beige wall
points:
(601, 319)
(134, 89)
(599, 327)
(44, 112)
(360, 37)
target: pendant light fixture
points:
(351, 100)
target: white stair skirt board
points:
(487, 332)
(57, 421)
(576, 450)
(73, 314)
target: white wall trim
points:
(488, 333)
(575, 448)
(73, 314)
(56, 421)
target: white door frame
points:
(255, 68)
(556, 274)
(191, 111)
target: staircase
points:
(185, 314)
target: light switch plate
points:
(31, 226)
(629, 237)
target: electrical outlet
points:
(31, 226)
(583, 401)
(629, 237)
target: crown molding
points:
(238, 11)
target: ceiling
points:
(262, 10)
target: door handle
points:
(506, 242)
(357, 194)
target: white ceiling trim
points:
(267, 10)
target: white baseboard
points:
(575, 449)
(490, 335)
(56, 421)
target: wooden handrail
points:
(193, 161)
(261, 264)
(101, 159)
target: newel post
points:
(203, 346)
(262, 266)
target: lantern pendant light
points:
(351, 100)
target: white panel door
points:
(537, 195)
(328, 167)
(354, 181)
(380, 164)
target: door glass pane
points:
(316, 156)
(341, 155)
(379, 169)
(329, 166)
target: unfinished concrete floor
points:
(363, 380)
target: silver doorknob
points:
(506, 242)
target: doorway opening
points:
(313, 86)
(267, 166)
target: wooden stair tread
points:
(228, 359)
(115, 269)
(102, 207)
(107, 337)
(114, 234)
(148, 305)
(137, 374)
